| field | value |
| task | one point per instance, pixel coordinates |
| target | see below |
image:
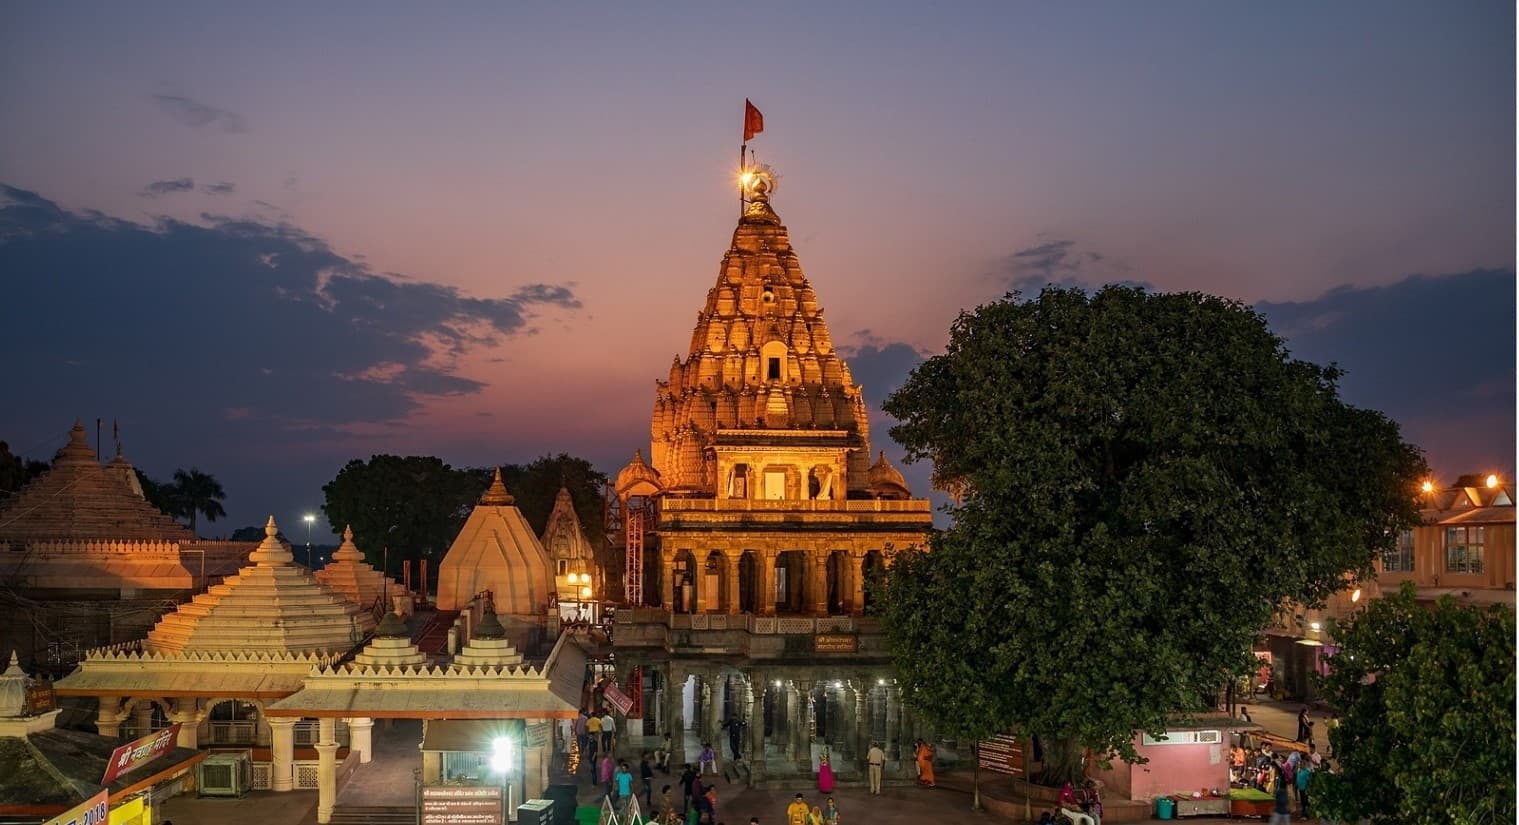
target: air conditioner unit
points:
(225, 774)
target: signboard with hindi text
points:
(835, 643)
(618, 699)
(92, 811)
(140, 751)
(1002, 754)
(461, 805)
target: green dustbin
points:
(587, 815)
(1165, 807)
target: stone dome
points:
(885, 481)
(496, 550)
(638, 478)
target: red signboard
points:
(618, 699)
(141, 751)
(461, 805)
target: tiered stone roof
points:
(496, 550)
(355, 579)
(761, 357)
(270, 606)
(81, 500)
(488, 647)
(390, 647)
(565, 538)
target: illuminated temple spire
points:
(761, 358)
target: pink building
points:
(1190, 757)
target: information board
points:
(461, 805)
(1002, 754)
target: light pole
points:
(309, 519)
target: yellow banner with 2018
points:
(96, 811)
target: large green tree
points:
(1426, 727)
(416, 505)
(412, 506)
(16, 471)
(1142, 479)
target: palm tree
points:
(197, 492)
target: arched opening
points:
(143, 716)
(685, 582)
(874, 571)
(653, 572)
(748, 582)
(790, 582)
(714, 590)
(839, 589)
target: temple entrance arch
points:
(235, 722)
(748, 582)
(714, 584)
(790, 582)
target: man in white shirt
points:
(876, 759)
(608, 732)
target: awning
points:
(469, 735)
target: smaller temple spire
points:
(13, 686)
(490, 625)
(348, 551)
(496, 495)
(271, 552)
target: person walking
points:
(830, 812)
(1304, 775)
(623, 784)
(925, 756)
(687, 777)
(593, 738)
(608, 731)
(1303, 731)
(825, 772)
(646, 775)
(875, 759)
(1281, 813)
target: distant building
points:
(90, 562)
(1463, 548)
(770, 523)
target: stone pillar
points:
(846, 728)
(765, 598)
(185, 713)
(857, 582)
(326, 768)
(731, 572)
(535, 764)
(788, 694)
(142, 717)
(359, 739)
(715, 709)
(108, 717)
(893, 723)
(667, 581)
(817, 585)
(675, 688)
(862, 717)
(804, 727)
(282, 743)
(762, 688)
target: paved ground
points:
(389, 780)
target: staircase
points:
(433, 636)
(373, 815)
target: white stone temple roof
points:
(117, 671)
(270, 606)
(496, 550)
(356, 580)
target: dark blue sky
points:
(271, 238)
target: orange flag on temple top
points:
(754, 122)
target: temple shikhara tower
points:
(771, 520)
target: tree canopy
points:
(1425, 697)
(1142, 480)
(416, 505)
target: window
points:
(1463, 549)
(773, 369)
(1401, 558)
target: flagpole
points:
(742, 148)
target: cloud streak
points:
(167, 187)
(1062, 263)
(219, 188)
(198, 115)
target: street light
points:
(309, 519)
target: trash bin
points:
(1165, 807)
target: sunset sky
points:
(268, 238)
